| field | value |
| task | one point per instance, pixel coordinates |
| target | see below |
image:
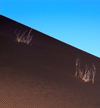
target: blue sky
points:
(75, 22)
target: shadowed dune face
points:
(41, 75)
(30, 58)
(34, 76)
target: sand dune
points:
(41, 75)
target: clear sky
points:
(75, 22)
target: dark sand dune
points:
(40, 75)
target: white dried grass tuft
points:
(77, 64)
(93, 73)
(88, 75)
(22, 38)
(80, 72)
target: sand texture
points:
(41, 75)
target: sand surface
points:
(42, 76)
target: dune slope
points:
(41, 75)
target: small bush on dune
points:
(88, 74)
(77, 65)
(21, 37)
(93, 72)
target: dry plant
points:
(22, 38)
(80, 72)
(93, 72)
(89, 73)
(77, 64)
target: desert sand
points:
(41, 75)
